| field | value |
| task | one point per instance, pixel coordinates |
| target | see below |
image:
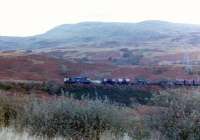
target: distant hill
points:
(101, 34)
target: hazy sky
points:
(29, 17)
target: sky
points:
(30, 17)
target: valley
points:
(32, 70)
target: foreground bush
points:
(11, 134)
(172, 115)
(68, 118)
(179, 118)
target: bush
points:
(179, 117)
(126, 95)
(10, 108)
(68, 118)
(4, 86)
(52, 87)
(63, 117)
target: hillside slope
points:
(101, 34)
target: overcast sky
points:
(29, 17)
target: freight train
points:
(128, 81)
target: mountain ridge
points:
(102, 34)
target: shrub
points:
(4, 86)
(52, 87)
(179, 119)
(87, 119)
(10, 108)
(126, 95)
(67, 117)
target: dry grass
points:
(11, 134)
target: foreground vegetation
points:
(170, 115)
(179, 118)
(65, 117)
(11, 134)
